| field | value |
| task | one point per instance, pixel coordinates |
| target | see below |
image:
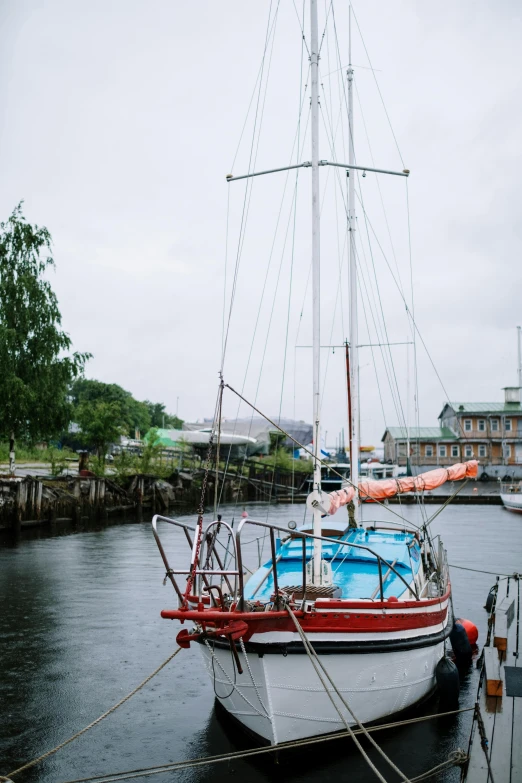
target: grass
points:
(27, 453)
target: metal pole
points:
(519, 358)
(354, 341)
(316, 278)
(347, 349)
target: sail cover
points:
(386, 488)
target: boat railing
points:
(511, 488)
(232, 573)
(305, 537)
(204, 576)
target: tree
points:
(159, 418)
(134, 414)
(35, 374)
(101, 424)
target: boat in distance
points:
(511, 496)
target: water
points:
(80, 628)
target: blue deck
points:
(355, 571)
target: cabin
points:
(488, 431)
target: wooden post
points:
(504, 614)
(20, 505)
(101, 509)
(38, 499)
(92, 491)
(139, 498)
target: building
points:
(488, 431)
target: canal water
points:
(80, 627)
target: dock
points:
(495, 749)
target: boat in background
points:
(511, 496)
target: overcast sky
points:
(120, 119)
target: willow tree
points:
(36, 367)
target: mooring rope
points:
(95, 722)
(244, 754)
(313, 659)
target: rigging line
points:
(408, 310)
(259, 74)
(325, 28)
(242, 235)
(248, 193)
(373, 317)
(321, 461)
(298, 153)
(378, 290)
(265, 283)
(379, 333)
(249, 183)
(372, 351)
(375, 323)
(377, 180)
(415, 367)
(339, 290)
(310, 266)
(225, 277)
(295, 350)
(366, 287)
(261, 118)
(301, 28)
(296, 137)
(378, 88)
(286, 339)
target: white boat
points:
(366, 603)
(511, 496)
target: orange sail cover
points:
(386, 488)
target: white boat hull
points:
(513, 501)
(288, 701)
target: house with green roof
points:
(488, 431)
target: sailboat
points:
(366, 603)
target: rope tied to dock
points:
(456, 758)
(94, 722)
(244, 754)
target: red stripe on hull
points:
(317, 622)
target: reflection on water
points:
(80, 627)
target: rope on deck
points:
(95, 722)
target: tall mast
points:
(316, 278)
(354, 338)
(519, 358)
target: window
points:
(468, 451)
(494, 425)
(508, 425)
(454, 451)
(442, 451)
(482, 451)
(507, 450)
(428, 451)
(482, 425)
(467, 425)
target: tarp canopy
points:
(387, 488)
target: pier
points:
(495, 749)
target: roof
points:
(484, 407)
(421, 433)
